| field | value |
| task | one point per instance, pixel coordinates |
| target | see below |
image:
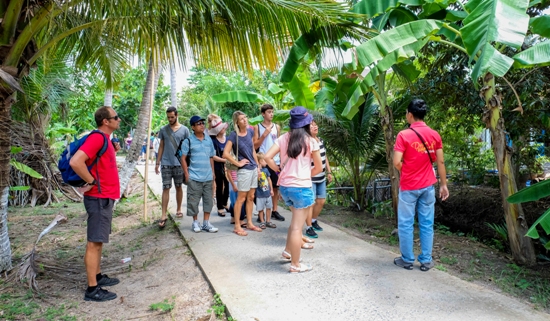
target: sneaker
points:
(316, 226)
(276, 216)
(399, 262)
(311, 233)
(99, 295)
(196, 227)
(107, 281)
(209, 228)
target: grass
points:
(17, 308)
(218, 307)
(517, 280)
(449, 260)
(163, 306)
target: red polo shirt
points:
(417, 171)
(106, 167)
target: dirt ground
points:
(161, 282)
(467, 255)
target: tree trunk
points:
(386, 119)
(6, 101)
(173, 87)
(521, 246)
(140, 133)
(108, 101)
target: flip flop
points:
(307, 239)
(240, 233)
(162, 223)
(179, 215)
(307, 246)
(255, 229)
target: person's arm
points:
(259, 168)
(184, 151)
(159, 156)
(317, 163)
(274, 150)
(397, 160)
(213, 172)
(259, 139)
(227, 155)
(78, 164)
(329, 171)
(443, 191)
(270, 186)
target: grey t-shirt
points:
(169, 153)
(246, 148)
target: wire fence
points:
(377, 191)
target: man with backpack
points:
(265, 134)
(101, 190)
(170, 137)
(199, 173)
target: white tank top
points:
(269, 141)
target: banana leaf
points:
(299, 88)
(540, 25)
(25, 169)
(240, 96)
(491, 21)
(544, 222)
(538, 55)
(531, 193)
(372, 8)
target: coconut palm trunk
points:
(173, 86)
(108, 101)
(141, 129)
(6, 100)
(521, 245)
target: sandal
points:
(240, 233)
(307, 246)
(406, 265)
(262, 225)
(425, 267)
(300, 269)
(307, 239)
(162, 223)
(286, 256)
(270, 225)
(244, 225)
(255, 228)
(179, 215)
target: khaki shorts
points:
(196, 191)
(247, 179)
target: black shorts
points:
(274, 177)
(100, 215)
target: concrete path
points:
(351, 278)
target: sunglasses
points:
(114, 117)
(199, 123)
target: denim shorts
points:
(297, 197)
(319, 189)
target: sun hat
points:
(217, 125)
(195, 119)
(299, 117)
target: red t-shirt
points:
(106, 167)
(417, 171)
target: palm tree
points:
(101, 35)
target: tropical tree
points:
(103, 34)
(481, 30)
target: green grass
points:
(517, 281)
(449, 260)
(218, 307)
(53, 313)
(17, 308)
(163, 306)
(440, 267)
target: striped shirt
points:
(319, 178)
(200, 169)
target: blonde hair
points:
(210, 118)
(260, 156)
(236, 119)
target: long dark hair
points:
(297, 142)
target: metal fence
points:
(377, 191)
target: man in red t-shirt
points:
(415, 150)
(100, 193)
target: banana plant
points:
(23, 169)
(482, 30)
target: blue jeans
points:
(419, 201)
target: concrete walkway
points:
(351, 278)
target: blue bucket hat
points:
(195, 119)
(299, 117)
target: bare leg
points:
(261, 216)
(309, 216)
(275, 199)
(92, 260)
(268, 215)
(165, 199)
(294, 236)
(249, 206)
(317, 207)
(179, 198)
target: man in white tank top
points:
(265, 134)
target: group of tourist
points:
(255, 164)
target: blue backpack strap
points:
(98, 155)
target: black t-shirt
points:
(246, 148)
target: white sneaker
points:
(196, 227)
(209, 228)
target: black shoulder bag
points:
(423, 143)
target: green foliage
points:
(25, 169)
(16, 308)
(500, 229)
(218, 307)
(163, 306)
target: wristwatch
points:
(92, 183)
